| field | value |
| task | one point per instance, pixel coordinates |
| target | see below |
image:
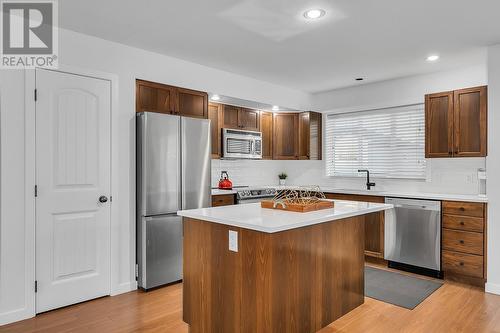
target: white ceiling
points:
(271, 41)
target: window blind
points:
(389, 142)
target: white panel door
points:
(73, 166)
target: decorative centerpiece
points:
(282, 176)
(300, 199)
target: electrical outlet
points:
(233, 241)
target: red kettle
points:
(224, 182)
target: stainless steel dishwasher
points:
(413, 235)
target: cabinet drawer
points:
(463, 241)
(222, 200)
(463, 208)
(466, 223)
(463, 264)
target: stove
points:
(254, 194)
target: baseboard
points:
(375, 260)
(15, 315)
(124, 288)
(492, 288)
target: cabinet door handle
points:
(461, 263)
(462, 209)
(461, 241)
(462, 223)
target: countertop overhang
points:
(252, 216)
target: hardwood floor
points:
(452, 308)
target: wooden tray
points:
(300, 208)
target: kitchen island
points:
(249, 269)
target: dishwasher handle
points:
(410, 206)
(414, 204)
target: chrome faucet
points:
(368, 184)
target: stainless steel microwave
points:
(241, 144)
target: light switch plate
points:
(233, 241)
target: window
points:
(389, 142)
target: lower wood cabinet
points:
(223, 200)
(463, 264)
(374, 223)
(463, 244)
(464, 241)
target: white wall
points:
(408, 90)
(127, 63)
(14, 273)
(493, 162)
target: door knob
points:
(103, 199)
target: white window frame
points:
(419, 172)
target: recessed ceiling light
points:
(275, 108)
(313, 14)
(215, 98)
(433, 57)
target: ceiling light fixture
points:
(275, 108)
(433, 57)
(313, 14)
(215, 98)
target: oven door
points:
(254, 200)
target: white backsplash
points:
(447, 175)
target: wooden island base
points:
(296, 281)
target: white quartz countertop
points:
(411, 195)
(398, 194)
(216, 191)
(252, 216)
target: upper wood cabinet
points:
(214, 114)
(310, 139)
(241, 118)
(304, 131)
(191, 103)
(156, 97)
(456, 123)
(285, 136)
(469, 121)
(249, 119)
(266, 127)
(230, 116)
(439, 124)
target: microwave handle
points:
(252, 148)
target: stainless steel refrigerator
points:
(173, 173)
